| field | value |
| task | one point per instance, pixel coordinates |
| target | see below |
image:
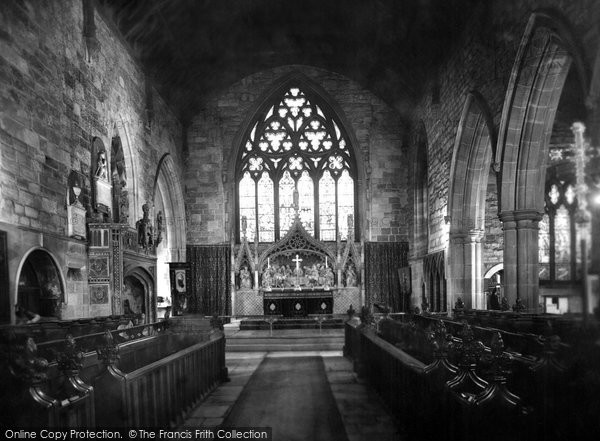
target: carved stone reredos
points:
(299, 240)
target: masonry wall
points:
(378, 130)
(482, 61)
(54, 99)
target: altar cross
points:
(297, 272)
(297, 260)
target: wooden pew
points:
(458, 388)
(129, 377)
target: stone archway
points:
(330, 107)
(470, 170)
(118, 170)
(545, 56)
(169, 214)
(40, 286)
(129, 170)
(138, 293)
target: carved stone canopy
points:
(297, 241)
(297, 260)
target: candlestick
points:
(325, 261)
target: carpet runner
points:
(291, 395)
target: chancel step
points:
(259, 324)
(285, 340)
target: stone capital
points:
(520, 217)
(473, 235)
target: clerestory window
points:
(296, 146)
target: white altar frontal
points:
(296, 276)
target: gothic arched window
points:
(559, 256)
(297, 145)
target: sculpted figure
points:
(245, 281)
(350, 276)
(328, 277)
(144, 227)
(101, 170)
(267, 278)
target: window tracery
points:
(558, 256)
(297, 146)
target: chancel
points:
(332, 219)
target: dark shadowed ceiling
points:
(192, 49)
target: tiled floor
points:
(362, 413)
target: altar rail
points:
(142, 374)
(470, 391)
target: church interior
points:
(387, 210)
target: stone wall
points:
(55, 97)
(378, 130)
(482, 61)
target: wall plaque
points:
(98, 294)
(76, 221)
(99, 268)
(103, 193)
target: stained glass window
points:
(286, 203)
(266, 209)
(544, 248)
(247, 193)
(297, 147)
(345, 202)
(327, 206)
(306, 202)
(558, 259)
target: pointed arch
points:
(119, 130)
(41, 256)
(469, 172)
(330, 112)
(167, 182)
(421, 191)
(548, 50)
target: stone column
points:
(521, 257)
(509, 226)
(456, 271)
(474, 268)
(465, 268)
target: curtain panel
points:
(382, 283)
(210, 268)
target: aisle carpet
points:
(291, 395)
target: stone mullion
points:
(317, 210)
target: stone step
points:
(249, 325)
(275, 346)
(267, 343)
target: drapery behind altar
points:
(382, 284)
(210, 267)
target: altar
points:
(296, 276)
(297, 303)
